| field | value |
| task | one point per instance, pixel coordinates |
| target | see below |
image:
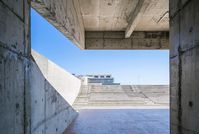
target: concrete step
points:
(119, 101)
(122, 95)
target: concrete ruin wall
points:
(50, 112)
(184, 65)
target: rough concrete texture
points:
(65, 83)
(115, 15)
(65, 15)
(50, 111)
(12, 89)
(14, 33)
(29, 102)
(184, 62)
(14, 60)
(121, 121)
(73, 18)
(15, 53)
(117, 40)
(119, 96)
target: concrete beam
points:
(65, 15)
(117, 40)
(135, 16)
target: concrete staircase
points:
(122, 96)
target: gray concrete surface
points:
(117, 40)
(50, 112)
(65, 15)
(65, 83)
(14, 60)
(184, 64)
(15, 111)
(121, 121)
(121, 96)
(28, 102)
(116, 15)
(75, 17)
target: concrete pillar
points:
(14, 60)
(184, 65)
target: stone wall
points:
(184, 65)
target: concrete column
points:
(14, 60)
(184, 65)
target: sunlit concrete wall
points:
(50, 112)
(65, 83)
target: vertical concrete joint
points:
(180, 91)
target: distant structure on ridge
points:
(105, 79)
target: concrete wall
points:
(14, 60)
(29, 103)
(184, 65)
(65, 83)
(50, 112)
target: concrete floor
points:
(121, 121)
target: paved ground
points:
(121, 121)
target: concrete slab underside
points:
(121, 121)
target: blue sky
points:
(127, 66)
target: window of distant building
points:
(102, 76)
(108, 76)
(95, 76)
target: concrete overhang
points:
(109, 24)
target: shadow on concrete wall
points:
(50, 111)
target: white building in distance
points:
(98, 79)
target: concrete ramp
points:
(99, 96)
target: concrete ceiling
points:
(109, 24)
(115, 15)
